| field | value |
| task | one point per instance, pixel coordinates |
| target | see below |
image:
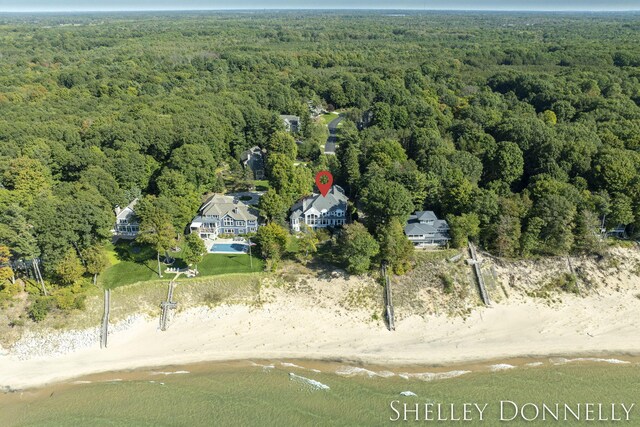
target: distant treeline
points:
(522, 129)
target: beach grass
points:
(145, 297)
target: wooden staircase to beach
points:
(475, 263)
(104, 330)
(388, 301)
(167, 305)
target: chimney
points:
(117, 210)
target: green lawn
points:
(213, 264)
(327, 118)
(137, 263)
(261, 185)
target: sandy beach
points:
(295, 326)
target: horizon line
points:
(414, 9)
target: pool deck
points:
(211, 243)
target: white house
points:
(222, 214)
(317, 211)
(127, 223)
(424, 230)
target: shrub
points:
(65, 299)
(16, 322)
(568, 283)
(447, 283)
(79, 302)
(213, 298)
(40, 308)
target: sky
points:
(123, 5)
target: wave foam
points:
(562, 360)
(265, 367)
(291, 365)
(350, 371)
(501, 367)
(317, 385)
(432, 376)
(170, 373)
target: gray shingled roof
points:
(253, 150)
(128, 212)
(227, 205)
(335, 199)
(438, 230)
(426, 216)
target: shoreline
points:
(337, 320)
(231, 333)
(328, 366)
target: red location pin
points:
(324, 180)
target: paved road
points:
(330, 146)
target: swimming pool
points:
(228, 248)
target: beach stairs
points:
(104, 330)
(475, 264)
(167, 305)
(391, 324)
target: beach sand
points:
(295, 326)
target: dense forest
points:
(523, 130)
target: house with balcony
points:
(226, 215)
(127, 223)
(425, 230)
(317, 211)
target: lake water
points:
(306, 393)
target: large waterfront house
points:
(224, 215)
(317, 211)
(127, 223)
(425, 230)
(291, 123)
(253, 159)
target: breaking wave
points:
(170, 373)
(291, 365)
(350, 371)
(501, 367)
(534, 364)
(317, 385)
(432, 376)
(562, 360)
(265, 367)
